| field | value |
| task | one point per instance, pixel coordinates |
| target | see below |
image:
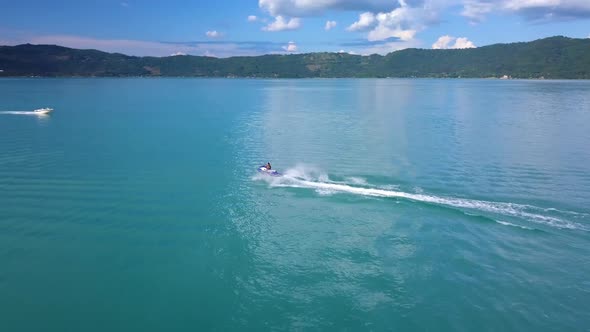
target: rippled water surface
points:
(440, 205)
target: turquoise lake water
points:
(408, 205)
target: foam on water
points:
(505, 223)
(24, 113)
(312, 178)
(357, 181)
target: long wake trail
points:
(301, 178)
(21, 113)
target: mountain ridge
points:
(552, 58)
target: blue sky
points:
(251, 27)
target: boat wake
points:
(37, 112)
(305, 177)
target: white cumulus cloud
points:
(281, 23)
(396, 28)
(443, 42)
(291, 47)
(365, 21)
(330, 25)
(450, 42)
(463, 42)
(252, 18)
(177, 53)
(213, 34)
(402, 23)
(280, 9)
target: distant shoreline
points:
(550, 58)
(295, 78)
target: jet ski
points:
(269, 172)
(43, 111)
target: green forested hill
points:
(555, 57)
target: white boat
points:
(43, 111)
